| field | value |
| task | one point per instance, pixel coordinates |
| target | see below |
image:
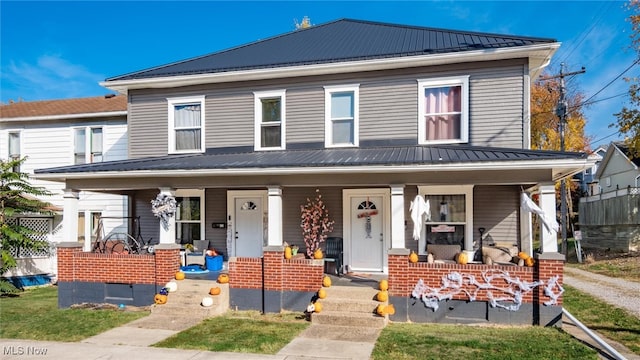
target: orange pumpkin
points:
(529, 261)
(523, 255)
(317, 254)
(380, 309)
(382, 296)
(322, 294)
(223, 278)
(317, 306)
(180, 275)
(413, 257)
(326, 281)
(214, 291)
(384, 285)
(390, 309)
(160, 299)
(287, 253)
(463, 259)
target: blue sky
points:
(55, 50)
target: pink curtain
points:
(443, 107)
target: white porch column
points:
(548, 237)
(168, 233)
(397, 217)
(274, 225)
(70, 218)
(526, 233)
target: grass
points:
(244, 332)
(433, 341)
(609, 263)
(609, 321)
(34, 315)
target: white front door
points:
(248, 227)
(367, 233)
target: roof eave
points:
(539, 56)
(66, 116)
(560, 169)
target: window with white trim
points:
(443, 110)
(270, 110)
(87, 145)
(341, 108)
(189, 216)
(14, 148)
(186, 124)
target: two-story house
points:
(63, 133)
(373, 115)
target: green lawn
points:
(34, 315)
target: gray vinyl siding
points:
(215, 207)
(293, 197)
(496, 208)
(149, 224)
(388, 107)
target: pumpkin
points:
(326, 281)
(463, 259)
(317, 306)
(523, 255)
(160, 299)
(287, 253)
(380, 309)
(317, 254)
(322, 294)
(413, 257)
(529, 261)
(180, 275)
(223, 278)
(384, 285)
(214, 291)
(382, 296)
(390, 309)
(207, 301)
(172, 286)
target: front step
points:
(186, 301)
(350, 306)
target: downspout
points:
(595, 337)
(262, 263)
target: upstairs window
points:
(443, 110)
(87, 145)
(186, 124)
(14, 148)
(269, 120)
(341, 115)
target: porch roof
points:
(379, 159)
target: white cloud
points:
(49, 77)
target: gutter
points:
(66, 116)
(595, 337)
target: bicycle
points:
(119, 242)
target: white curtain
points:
(439, 104)
(187, 127)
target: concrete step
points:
(351, 292)
(353, 319)
(352, 305)
(187, 300)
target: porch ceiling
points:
(389, 164)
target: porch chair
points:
(199, 252)
(333, 254)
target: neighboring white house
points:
(617, 169)
(60, 133)
(587, 180)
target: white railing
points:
(612, 194)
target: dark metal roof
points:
(337, 41)
(320, 158)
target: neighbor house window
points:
(341, 115)
(189, 216)
(186, 124)
(87, 145)
(443, 110)
(14, 148)
(88, 226)
(269, 120)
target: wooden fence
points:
(611, 222)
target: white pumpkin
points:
(207, 301)
(172, 286)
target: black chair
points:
(333, 253)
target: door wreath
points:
(164, 207)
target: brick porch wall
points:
(76, 265)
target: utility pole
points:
(561, 112)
